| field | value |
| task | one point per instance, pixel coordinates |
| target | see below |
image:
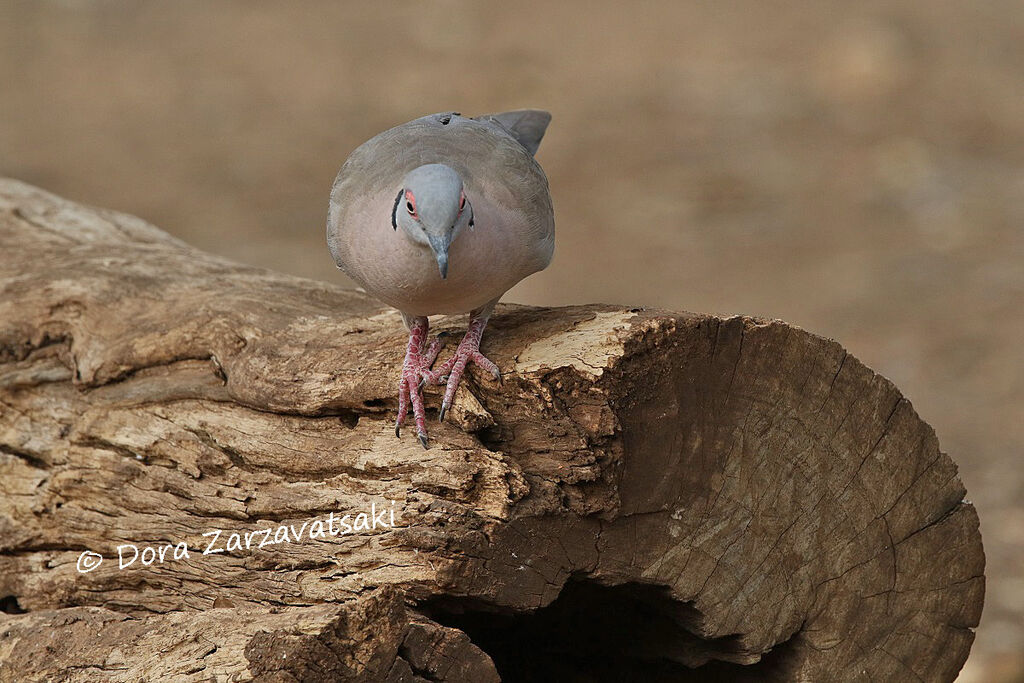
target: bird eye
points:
(409, 206)
(462, 202)
(410, 203)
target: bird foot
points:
(450, 372)
(415, 373)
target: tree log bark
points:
(650, 495)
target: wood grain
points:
(668, 494)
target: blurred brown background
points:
(854, 168)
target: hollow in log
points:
(200, 481)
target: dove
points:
(440, 216)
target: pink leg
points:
(469, 350)
(415, 371)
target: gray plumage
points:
(394, 252)
(526, 125)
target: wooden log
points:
(650, 495)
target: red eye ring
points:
(410, 203)
(462, 201)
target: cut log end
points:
(649, 495)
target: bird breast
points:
(484, 261)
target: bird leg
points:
(416, 371)
(469, 350)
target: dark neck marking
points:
(394, 209)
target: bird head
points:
(431, 209)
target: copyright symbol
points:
(88, 561)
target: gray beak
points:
(442, 265)
(439, 246)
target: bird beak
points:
(439, 245)
(442, 265)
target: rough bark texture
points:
(651, 495)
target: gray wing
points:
(527, 126)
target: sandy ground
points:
(854, 168)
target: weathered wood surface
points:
(734, 494)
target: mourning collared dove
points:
(443, 215)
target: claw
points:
(417, 362)
(417, 373)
